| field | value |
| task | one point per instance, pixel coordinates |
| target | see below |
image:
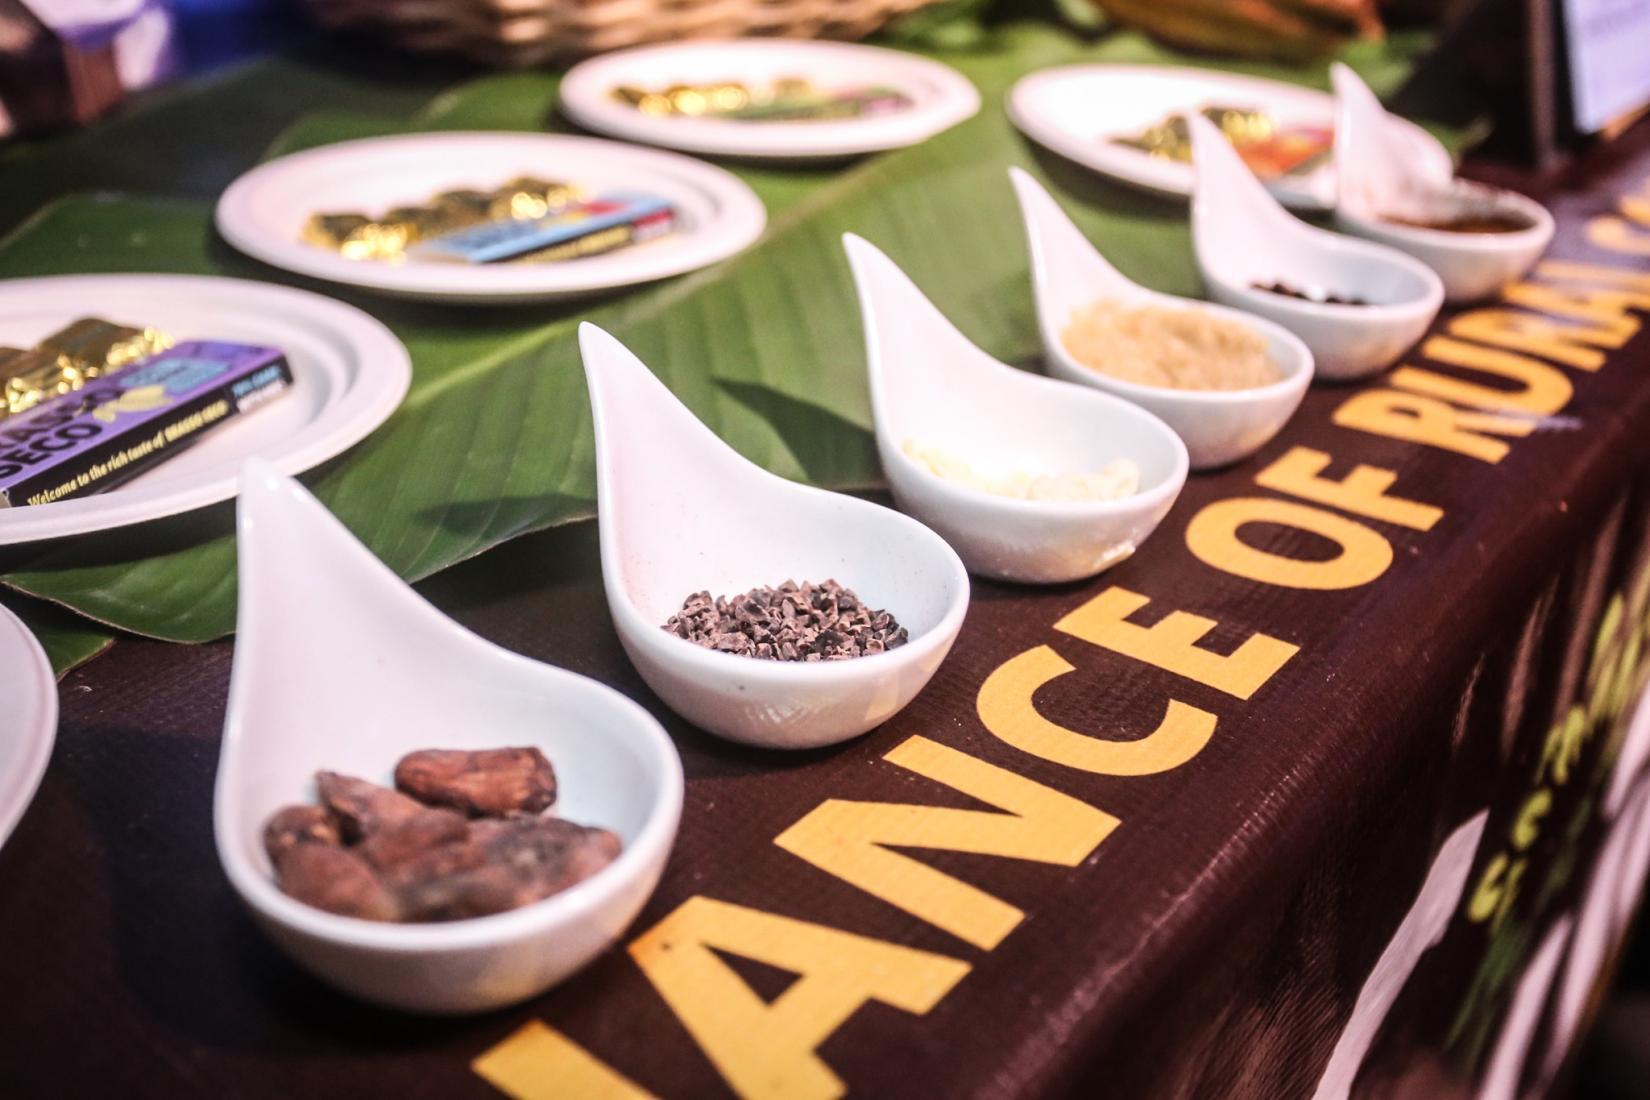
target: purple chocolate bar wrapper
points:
(123, 423)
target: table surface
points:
(130, 960)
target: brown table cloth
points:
(1333, 788)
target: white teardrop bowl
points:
(1068, 274)
(1379, 180)
(1242, 236)
(340, 665)
(680, 512)
(931, 385)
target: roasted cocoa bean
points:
(336, 880)
(547, 855)
(379, 854)
(362, 808)
(296, 825)
(477, 892)
(410, 837)
(485, 783)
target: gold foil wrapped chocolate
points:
(28, 376)
(529, 197)
(688, 100)
(1242, 126)
(90, 347)
(1269, 148)
(357, 236)
(725, 97)
(70, 357)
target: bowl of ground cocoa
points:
(417, 816)
(759, 609)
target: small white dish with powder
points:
(997, 425)
(1118, 479)
(1146, 339)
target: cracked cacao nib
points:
(794, 622)
(485, 783)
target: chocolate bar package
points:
(119, 425)
(586, 229)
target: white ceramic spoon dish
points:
(1242, 237)
(1079, 111)
(1379, 182)
(930, 385)
(341, 666)
(349, 374)
(263, 213)
(680, 512)
(940, 97)
(28, 723)
(1218, 426)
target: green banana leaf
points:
(69, 640)
(494, 438)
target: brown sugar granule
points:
(794, 622)
(488, 782)
(1180, 347)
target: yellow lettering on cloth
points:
(538, 1062)
(1363, 492)
(1362, 555)
(1426, 420)
(768, 1050)
(854, 840)
(1543, 389)
(1007, 709)
(1172, 643)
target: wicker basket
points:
(514, 33)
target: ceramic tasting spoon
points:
(1068, 275)
(1245, 242)
(1390, 196)
(680, 512)
(932, 388)
(339, 665)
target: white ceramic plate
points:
(349, 374)
(1077, 110)
(941, 97)
(28, 718)
(263, 213)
